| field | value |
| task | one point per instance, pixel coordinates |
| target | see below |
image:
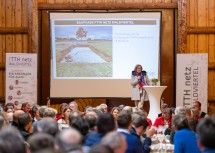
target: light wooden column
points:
(32, 26)
(182, 26)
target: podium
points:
(154, 94)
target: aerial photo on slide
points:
(83, 51)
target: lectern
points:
(154, 94)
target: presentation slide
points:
(93, 54)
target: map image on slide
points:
(83, 51)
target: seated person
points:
(163, 107)
(206, 134)
(164, 120)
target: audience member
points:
(35, 113)
(180, 110)
(206, 135)
(163, 107)
(91, 118)
(64, 121)
(124, 126)
(198, 106)
(48, 125)
(105, 124)
(80, 124)
(139, 127)
(105, 107)
(16, 115)
(195, 113)
(73, 106)
(116, 141)
(26, 107)
(188, 113)
(68, 140)
(128, 109)
(49, 112)
(61, 111)
(115, 112)
(25, 125)
(184, 139)
(40, 141)
(11, 141)
(164, 120)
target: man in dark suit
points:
(124, 126)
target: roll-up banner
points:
(192, 80)
(21, 78)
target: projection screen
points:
(93, 54)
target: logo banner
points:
(192, 80)
(21, 78)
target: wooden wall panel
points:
(211, 87)
(105, 1)
(24, 24)
(18, 23)
(201, 13)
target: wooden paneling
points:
(201, 37)
(105, 6)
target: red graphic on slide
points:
(10, 98)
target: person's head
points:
(49, 112)
(163, 107)
(73, 105)
(116, 141)
(88, 109)
(173, 111)
(194, 112)
(16, 114)
(10, 105)
(121, 107)
(167, 114)
(35, 111)
(124, 120)
(40, 141)
(25, 121)
(197, 105)
(42, 110)
(127, 108)
(66, 112)
(139, 123)
(141, 113)
(192, 123)
(26, 107)
(11, 141)
(115, 112)
(62, 106)
(105, 107)
(180, 122)
(9, 117)
(68, 140)
(180, 110)
(91, 119)
(188, 113)
(100, 108)
(74, 114)
(206, 132)
(48, 125)
(138, 68)
(80, 124)
(8, 109)
(105, 123)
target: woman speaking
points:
(139, 79)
